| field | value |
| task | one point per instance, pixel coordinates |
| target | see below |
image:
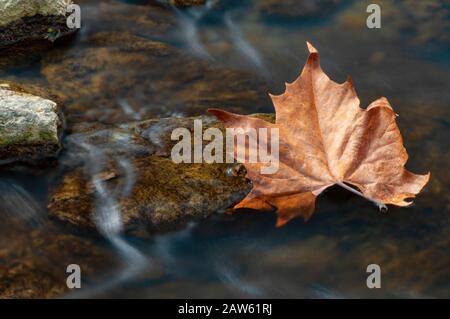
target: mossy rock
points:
(30, 125)
(161, 195)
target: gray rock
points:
(27, 20)
(14, 10)
(30, 126)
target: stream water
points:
(242, 255)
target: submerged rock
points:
(34, 260)
(23, 20)
(129, 168)
(30, 126)
(132, 78)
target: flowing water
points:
(242, 255)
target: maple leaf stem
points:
(381, 206)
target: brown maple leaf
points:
(327, 139)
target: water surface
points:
(236, 52)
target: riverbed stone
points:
(30, 126)
(35, 259)
(152, 192)
(13, 10)
(26, 20)
(133, 78)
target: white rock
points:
(29, 126)
(12, 10)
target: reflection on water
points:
(244, 255)
(19, 203)
(108, 219)
(241, 44)
(188, 28)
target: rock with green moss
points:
(129, 167)
(30, 126)
(28, 20)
